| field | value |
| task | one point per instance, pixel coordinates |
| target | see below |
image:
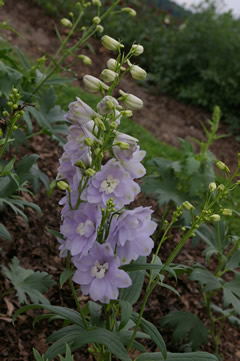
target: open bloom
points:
(79, 228)
(80, 113)
(111, 182)
(130, 234)
(99, 275)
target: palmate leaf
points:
(187, 356)
(186, 327)
(27, 282)
(231, 293)
(205, 278)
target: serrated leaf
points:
(204, 277)
(186, 356)
(231, 293)
(132, 293)
(65, 275)
(186, 327)
(4, 232)
(234, 261)
(153, 332)
(28, 282)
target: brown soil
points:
(167, 119)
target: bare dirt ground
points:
(167, 119)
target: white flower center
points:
(99, 270)
(81, 229)
(108, 185)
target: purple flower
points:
(111, 182)
(73, 196)
(125, 154)
(80, 227)
(130, 234)
(134, 165)
(99, 275)
(80, 113)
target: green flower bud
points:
(90, 172)
(137, 72)
(221, 188)
(66, 22)
(15, 106)
(212, 186)
(110, 43)
(96, 3)
(85, 59)
(80, 164)
(5, 113)
(96, 20)
(137, 49)
(113, 125)
(130, 11)
(94, 84)
(63, 185)
(122, 145)
(127, 113)
(99, 123)
(226, 212)
(108, 75)
(132, 102)
(214, 218)
(88, 141)
(99, 28)
(222, 166)
(188, 206)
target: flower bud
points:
(122, 145)
(130, 11)
(90, 172)
(112, 64)
(127, 113)
(96, 3)
(188, 206)
(63, 185)
(221, 188)
(5, 113)
(222, 166)
(137, 49)
(70, 14)
(96, 20)
(99, 28)
(80, 164)
(110, 43)
(85, 59)
(214, 218)
(137, 72)
(99, 123)
(66, 22)
(132, 102)
(108, 75)
(88, 141)
(226, 212)
(212, 186)
(113, 125)
(94, 84)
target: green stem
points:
(75, 294)
(10, 131)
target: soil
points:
(37, 249)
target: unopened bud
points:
(221, 188)
(226, 212)
(80, 164)
(96, 20)
(99, 28)
(122, 145)
(222, 166)
(90, 172)
(130, 11)
(127, 113)
(5, 113)
(94, 84)
(137, 72)
(137, 49)
(97, 151)
(132, 102)
(71, 14)
(110, 43)
(88, 141)
(212, 186)
(85, 59)
(63, 185)
(96, 3)
(99, 123)
(113, 125)
(214, 218)
(66, 22)
(108, 75)
(113, 64)
(188, 206)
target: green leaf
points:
(55, 233)
(204, 277)
(95, 311)
(22, 59)
(231, 293)
(8, 167)
(186, 327)
(65, 275)
(28, 282)
(234, 261)
(132, 293)
(4, 232)
(126, 312)
(37, 356)
(153, 332)
(68, 356)
(79, 338)
(187, 356)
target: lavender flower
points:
(98, 273)
(79, 228)
(80, 113)
(130, 234)
(111, 182)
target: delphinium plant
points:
(104, 243)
